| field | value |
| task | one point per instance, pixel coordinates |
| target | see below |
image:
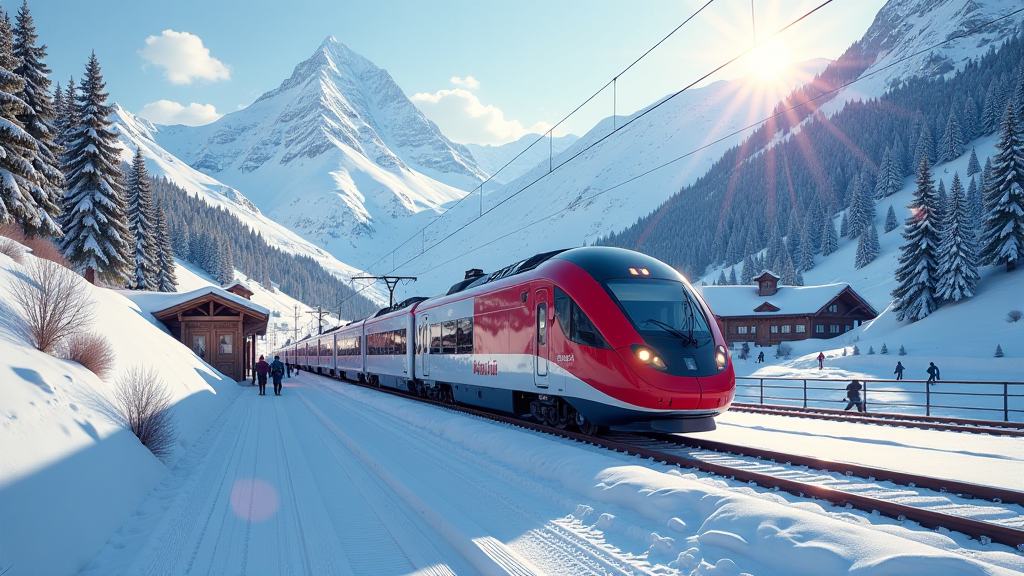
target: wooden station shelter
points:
(220, 327)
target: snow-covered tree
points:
(226, 267)
(974, 204)
(1002, 237)
(891, 223)
(37, 117)
(166, 281)
(747, 275)
(897, 160)
(958, 260)
(925, 146)
(884, 350)
(799, 278)
(867, 247)
(883, 175)
(181, 241)
(903, 351)
(793, 238)
(844, 228)
(67, 117)
(973, 166)
(23, 198)
(95, 221)
(806, 252)
(829, 239)
(969, 120)
(722, 279)
(788, 271)
(732, 276)
(993, 110)
(999, 351)
(142, 226)
(916, 274)
(862, 212)
(952, 144)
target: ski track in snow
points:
(328, 480)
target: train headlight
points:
(721, 357)
(649, 356)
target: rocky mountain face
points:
(337, 153)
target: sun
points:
(769, 59)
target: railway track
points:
(995, 428)
(779, 471)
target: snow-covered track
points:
(661, 449)
(994, 427)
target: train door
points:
(424, 344)
(540, 375)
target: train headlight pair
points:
(649, 356)
(721, 357)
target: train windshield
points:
(664, 306)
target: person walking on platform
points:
(899, 370)
(288, 367)
(262, 369)
(821, 360)
(853, 396)
(933, 373)
(277, 372)
(760, 357)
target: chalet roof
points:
(162, 301)
(239, 284)
(743, 300)
(767, 274)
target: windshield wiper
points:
(686, 338)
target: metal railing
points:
(1002, 400)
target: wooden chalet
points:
(768, 314)
(219, 326)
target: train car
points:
(389, 338)
(348, 351)
(589, 336)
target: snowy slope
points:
(336, 153)
(70, 476)
(905, 27)
(491, 159)
(960, 337)
(137, 132)
(694, 119)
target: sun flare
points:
(768, 60)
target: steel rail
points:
(886, 415)
(926, 518)
(858, 417)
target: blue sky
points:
(531, 61)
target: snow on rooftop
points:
(154, 302)
(741, 300)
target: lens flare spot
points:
(253, 500)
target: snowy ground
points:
(330, 478)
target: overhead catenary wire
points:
(690, 153)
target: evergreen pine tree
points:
(747, 275)
(806, 252)
(22, 198)
(903, 351)
(1002, 237)
(871, 350)
(37, 117)
(916, 274)
(891, 223)
(974, 205)
(732, 276)
(992, 111)
(882, 179)
(166, 281)
(973, 167)
(788, 271)
(65, 123)
(180, 241)
(925, 146)
(897, 160)
(958, 260)
(142, 226)
(775, 249)
(829, 239)
(884, 350)
(95, 224)
(999, 351)
(952, 144)
(969, 120)
(941, 200)
(722, 280)
(867, 247)
(793, 239)
(799, 278)
(844, 227)
(813, 226)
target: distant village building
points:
(769, 314)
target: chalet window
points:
(753, 329)
(199, 346)
(741, 329)
(226, 343)
(800, 328)
(833, 328)
(819, 328)
(833, 308)
(786, 328)
(775, 329)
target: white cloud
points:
(183, 58)
(463, 118)
(170, 113)
(468, 82)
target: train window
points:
(464, 336)
(435, 338)
(448, 337)
(542, 323)
(575, 324)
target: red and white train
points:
(591, 337)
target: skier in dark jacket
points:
(262, 369)
(899, 370)
(760, 357)
(277, 372)
(853, 395)
(933, 373)
(821, 360)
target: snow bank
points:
(69, 475)
(713, 528)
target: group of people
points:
(933, 372)
(275, 370)
(854, 388)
